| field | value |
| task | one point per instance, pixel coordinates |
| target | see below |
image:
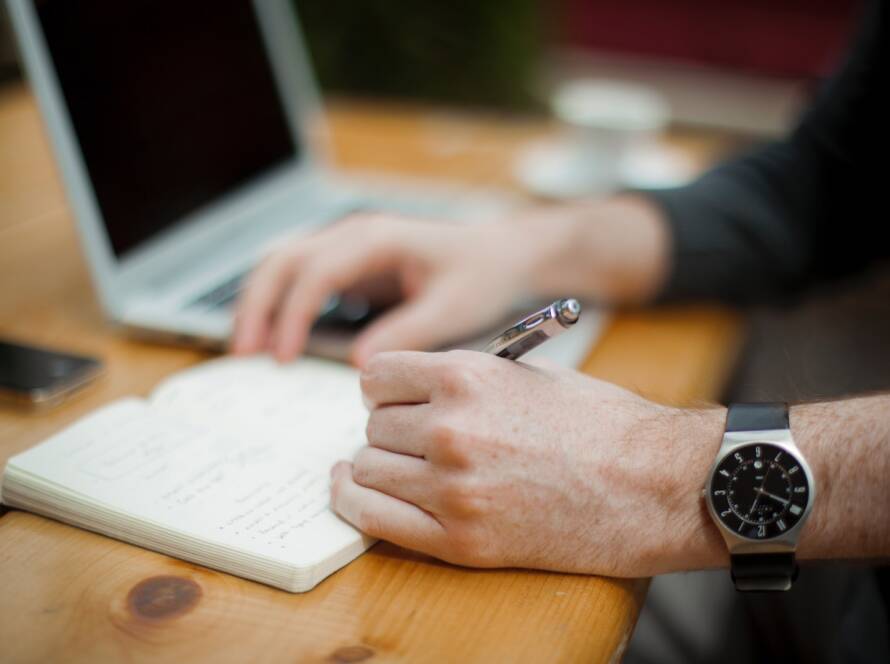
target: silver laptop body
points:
(189, 137)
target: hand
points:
(485, 462)
(454, 280)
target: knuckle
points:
(460, 497)
(443, 435)
(348, 229)
(367, 224)
(366, 382)
(292, 252)
(314, 275)
(350, 222)
(369, 523)
(463, 356)
(380, 428)
(372, 428)
(381, 224)
(456, 379)
(280, 259)
(449, 444)
(261, 275)
(369, 378)
(377, 365)
(361, 466)
(272, 260)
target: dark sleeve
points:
(802, 210)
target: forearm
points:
(847, 444)
(614, 250)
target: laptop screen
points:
(173, 104)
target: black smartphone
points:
(33, 375)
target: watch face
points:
(759, 491)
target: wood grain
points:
(75, 596)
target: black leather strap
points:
(757, 416)
(763, 572)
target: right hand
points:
(454, 281)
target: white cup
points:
(609, 118)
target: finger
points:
(403, 377)
(404, 477)
(332, 269)
(382, 516)
(258, 301)
(421, 323)
(399, 429)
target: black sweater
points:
(812, 207)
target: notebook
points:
(225, 465)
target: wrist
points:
(687, 538)
(614, 250)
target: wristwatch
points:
(759, 493)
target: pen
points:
(535, 329)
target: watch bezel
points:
(787, 541)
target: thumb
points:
(422, 323)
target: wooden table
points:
(75, 596)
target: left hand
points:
(486, 462)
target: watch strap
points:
(763, 572)
(757, 417)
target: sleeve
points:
(799, 211)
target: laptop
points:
(189, 137)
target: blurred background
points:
(510, 53)
(748, 59)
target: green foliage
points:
(480, 52)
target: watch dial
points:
(760, 491)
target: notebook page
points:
(311, 405)
(246, 493)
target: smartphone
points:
(35, 376)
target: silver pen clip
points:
(535, 329)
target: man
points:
(485, 462)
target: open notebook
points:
(226, 465)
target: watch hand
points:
(754, 504)
(772, 495)
(759, 491)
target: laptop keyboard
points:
(222, 296)
(337, 310)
